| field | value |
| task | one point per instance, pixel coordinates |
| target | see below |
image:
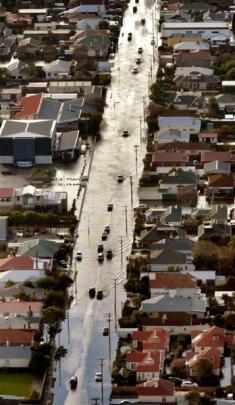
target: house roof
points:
(175, 244)
(208, 134)
(135, 357)
(16, 307)
(195, 54)
(57, 65)
(150, 363)
(16, 336)
(22, 263)
(222, 156)
(218, 166)
(167, 256)
(156, 233)
(193, 45)
(208, 353)
(212, 337)
(171, 214)
(15, 352)
(178, 146)
(6, 192)
(221, 180)
(151, 336)
(176, 303)
(165, 157)
(195, 25)
(38, 248)
(156, 387)
(17, 288)
(180, 177)
(185, 71)
(172, 280)
(68, 140)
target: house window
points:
(215, 32)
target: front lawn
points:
(16, 384)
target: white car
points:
(187, 383)
(79, 255)
(98, 377)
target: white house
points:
(182, 123)
(171, 135)
(57, 69)
(183, 285)
(14, 356)
(15, 69)
(216, 32)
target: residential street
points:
(114, 155)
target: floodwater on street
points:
(114, 155)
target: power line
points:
(136, 158)
(109, 321)
(125, 208)
(131, 191)
(121, 243)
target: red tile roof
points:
(147, 346)
(212, 337)
(170, 280)
(16, 263)
(156, 387)
(6, 192)
(135, 357)
(16, 307)
(222, 156)
(221, 180)
(151, 335)
(209, 353)
(30, 106)
(16, 337)
(168, 157)
(150, 362)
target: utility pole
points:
(115, 303)
(125, 207)
(144, 106)
(102, 382)
(131, 191)
(109, 321)
(136, 158)
(140, 129)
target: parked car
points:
(142, 21)
(125, 133)
(188, 383)
(100, 248)
(92, 292)
(135, 70)
(100, 257)
(104, 236)
(129, 36)
(73, 382)
(134, 9)
(105, 331)
(138, 61)
(120, 179)
(152, 41)
(109, 254)
(98, 377)
(110, 207)
(176, 380)
(140, 50)
(99, 295)
(107, 229)
(79, 255)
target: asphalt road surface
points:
(114, 155)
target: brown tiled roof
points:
(171, 280)
(213, 337)
(17, 307)
(174, 146)
(208, 134)
(222, 156)
(30, 105)
(161, 157)
(135, 357)
(156, 387)
(195, 55)
(6, 192)
(16, 263)
(221, 180)
(16, 337)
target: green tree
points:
(4, 76)
(229, 319)
(39, 362)
(54, 298)
(231, 74)
(193, 397)
(203, 369)
(52, 315)
(47, 283)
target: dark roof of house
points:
(183, 146)
(68, 140)
(175, 244)
(171, 214)
(167, 256)
(156, 387)
(180, 177)
(162, 157)
(221, 180)
(204, 231)
(212, 156)
(38, 248)
(156, 233)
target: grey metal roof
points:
(15, 352)
(26, 127)
(49, 109)
(71, 110)
(175, 244)
(180, 177)
(68, 140)
(167, 256)
(165, 303)
(171, 214)
(217, 165)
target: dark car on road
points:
(105, 331)
(109, 254)
(99, 295)
(100, 248)
(73, 382)
(104, 236)
(110, 207)
(92, 292)
(120, 179)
